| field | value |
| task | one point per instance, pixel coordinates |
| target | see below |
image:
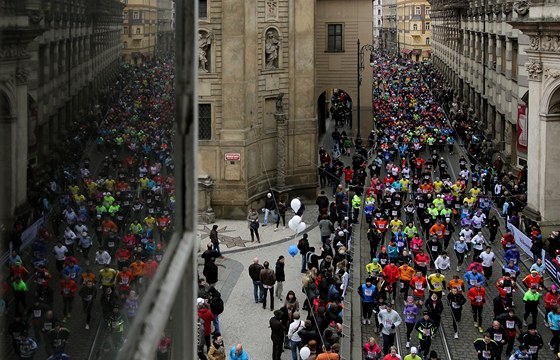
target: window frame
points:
(203, 10)
(204, 123)
(335, 35)
(417, 10)
(136, 15)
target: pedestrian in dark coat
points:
(280, 277)
(277, 334)
(210, 272)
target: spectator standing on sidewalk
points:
(280, 277)
(253, 224)
(255, 273)
(214, 239)
(268, 279)
(303, 247)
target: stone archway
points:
(554, 102)
(5, 105)
(340, 110)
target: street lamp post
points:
(360, 69)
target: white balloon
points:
(291, 225)
(305, 353)
(295, 204)
(296, 220)
(301, 227)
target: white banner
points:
(521, 240)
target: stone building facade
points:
(389, 38)
(165, 27)
(140, 28)
(54, 57)
(414, 29)
(337, 30)
(501, 57)
(257, 120)
(377, 22)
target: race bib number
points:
(472, 282)
(434, 248)
(37, 313)
(111, 244)
(397, 202)
(437, 285)
(486, 354)
(508, 289)
(533, 349)
(421, 205)
(421, 264)
(388, 323)
(455, 305)
(497, 337)
(400, 244)
(107, 279)
(418, 285)
(478, 299)
(66, 291)
(383, 261)
(88, 298)
(394, 213)
(124, 281)
(368, 292)
(510, 324)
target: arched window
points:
(415, 27)
(427, 41)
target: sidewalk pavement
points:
(243, 321)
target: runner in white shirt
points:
(467, 233)
(443, 262)
(478, 243)
(60, 252)
(488, 258)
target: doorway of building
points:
(334, 105)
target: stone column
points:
(20, 185)
(535, 146)
(282, 128)
(207, 185)
(490, 119)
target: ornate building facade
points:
(54, 57)
(389, 38)
(377, 22)
(414, 29)
(501, 57)
(257, 122)
(140, 28)
(165, 27)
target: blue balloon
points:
(293, 250)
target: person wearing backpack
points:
(216, 306)
(293, 334)
(303, 247)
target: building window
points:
(414, 27)
(378, 22)
(125, 14)
(334, 37)
(202, 9)
(136, 15)
(138, 31)
(125, 30)
(378, 11)
(125, 45)
(204, 122)
(427, 26)
(428, 10)
(427, 41)
(417, 10)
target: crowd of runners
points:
(110, 221)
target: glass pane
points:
(204, 121)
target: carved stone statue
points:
(272, 45)
(280, 103)
(204, 42)
(521, 7)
